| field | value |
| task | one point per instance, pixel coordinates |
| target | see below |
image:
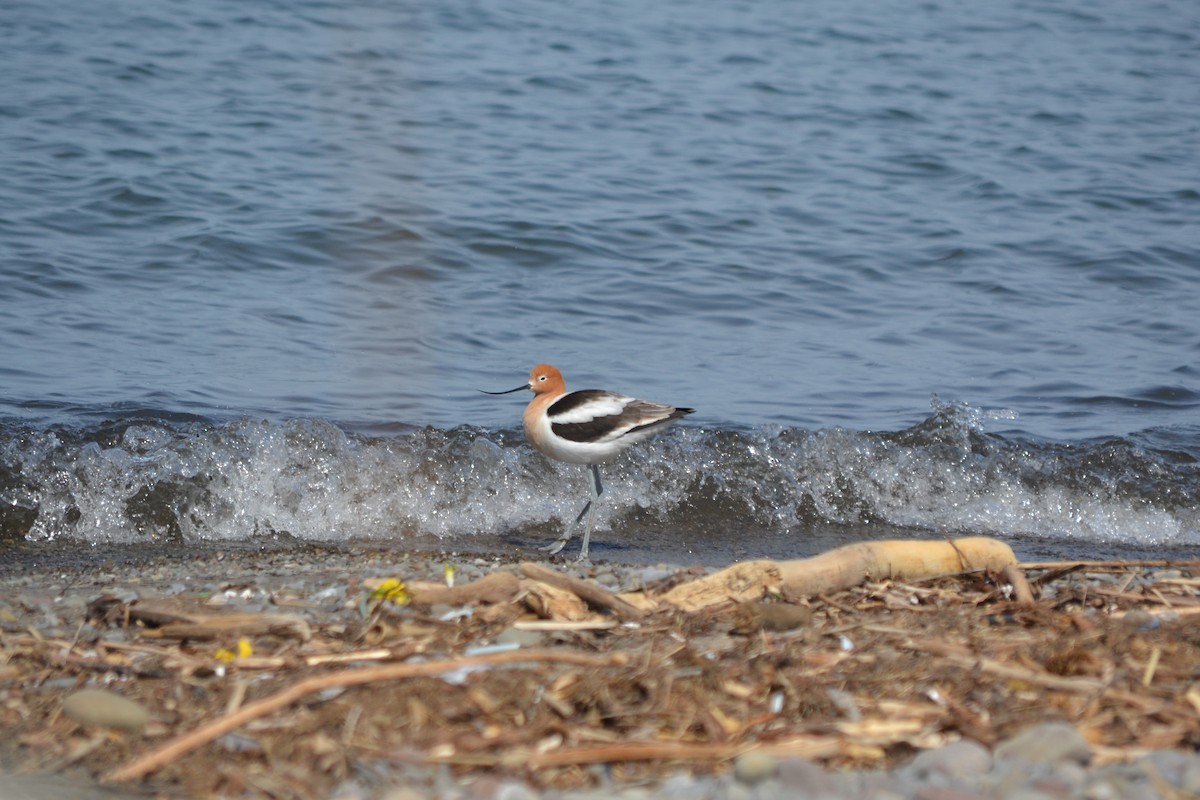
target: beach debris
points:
(755, 617)
(492, 589)
(205, 627)
(537, 674)
(176, 620)
(346, 678)
(551, 602)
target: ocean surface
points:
(923, 269)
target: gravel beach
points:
(947, 689)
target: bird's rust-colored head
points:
(545, 379)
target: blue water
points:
(922, 269)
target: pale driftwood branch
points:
(842, 568)
(180, 746)
(593, 594)
(551, 602)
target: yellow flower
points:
(244, 650)
(392, 589)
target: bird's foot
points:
(555, 546)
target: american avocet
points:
(586, 427)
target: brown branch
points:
(181, 745)
(493, 589)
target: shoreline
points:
(884, 685)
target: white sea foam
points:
(312, 480)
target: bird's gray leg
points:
(597, 489)
(561, 541)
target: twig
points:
(180, 746)
(1151, 666)
(824, 598)
(585, 590)
(378, 654)
(809, 747)
(547, 625)
(1109, 566)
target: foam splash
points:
(166, 480)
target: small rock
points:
(958, 761)
(1171, 765)
(514, 790)
(607, 579)
(1069, 776)
(350, 790)
(1098, 789)
(236, 742)
(404, 793)
(1045, 743)
(1189, 781)
(1033, 793)
(682, 786)
(106, 709)
(946, 793)
(755, 767)
(805, 778)
(653, 575)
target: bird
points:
(589, 426)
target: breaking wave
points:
(150, 477)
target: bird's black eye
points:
(541, 377)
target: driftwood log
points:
(840, 569)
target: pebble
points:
(404, 793)
(608, 580)
(963, 770)
(653, 574)
(55, 787)
(106, 709)
(957, 761)
(804, 778)
(1045, 743)
(947, 793)
(755, 767)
